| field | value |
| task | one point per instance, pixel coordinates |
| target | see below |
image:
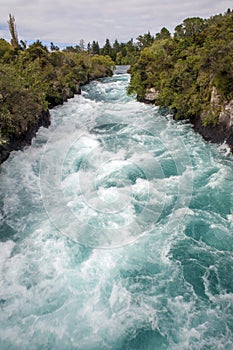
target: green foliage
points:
(145, 40)
(163, 34)
(223, 79)
(125, 53)
(210, 117)
(75, 49)
(107, 48)
(101, 66)
(185, 68)
(95, 48)
(34, 79)
(121, 53)
(5, 48)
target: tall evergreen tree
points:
(115, 49)
(95, 48)
(89, 48)
(107, 48)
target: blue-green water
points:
(116, 232)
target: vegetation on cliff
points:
(186, 69)
(34, 79)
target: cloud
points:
(69, 21)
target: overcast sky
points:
(68, 21)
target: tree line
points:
(121, 53)
(125, 53)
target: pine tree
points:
(163, 34)
(89, 48)
(107, 49)
(95, 48)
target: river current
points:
(116, 231)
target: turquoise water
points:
(116, 232)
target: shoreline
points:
(220, 134)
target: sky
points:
(66, 22)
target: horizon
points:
(42, 21)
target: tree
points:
(190, 28)
(145, 40)
(115, 49)
(163, 34)
(185, 69)
(179, 32)
(75, 48)
(13, 31)
(89, 48)
(193, 26)
(37, 49)
(95, 49)
(107, 48)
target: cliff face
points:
(220, 133)
(223, 131)
(20, 141)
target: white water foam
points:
(168, 283)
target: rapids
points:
(116, 231)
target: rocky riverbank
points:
(220, 133)
(18, 142)
(191, 74)
(223, 131)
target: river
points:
(116, 231)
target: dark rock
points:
(24, 139)
(223, 131)
(216, 134)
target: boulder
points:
(151, 95)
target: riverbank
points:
(221, 133)
(18, 142)
(35, 80)
(191, 74)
